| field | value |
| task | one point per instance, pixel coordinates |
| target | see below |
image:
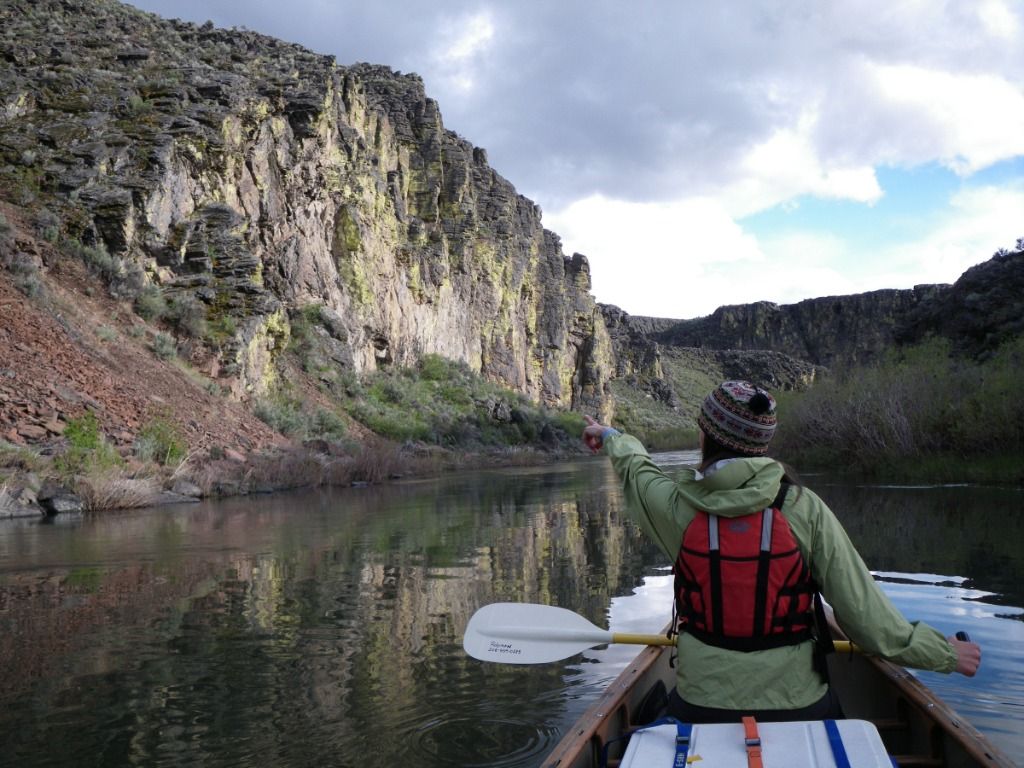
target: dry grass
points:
(305, 468)
(111, 490)
(8, 505)
(19, 457)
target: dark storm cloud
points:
(666, 99)
(643, 101)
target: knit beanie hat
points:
(739, 416)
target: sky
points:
(704, 153)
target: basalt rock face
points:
(678, 374)
(252, 177)
(247, 178)
(981, 310)
(826, 331)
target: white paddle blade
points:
(524, 633)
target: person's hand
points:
(592, 434)
(968, 656)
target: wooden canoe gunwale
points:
(938, 737)
(609, 717)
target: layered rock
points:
(256, 177)
(252, 178)
(826, 331)
(980, 311)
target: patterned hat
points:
(739, 416)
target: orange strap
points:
(753, 742)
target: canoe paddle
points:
(526, 633)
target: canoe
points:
(917, 728)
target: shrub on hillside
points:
(164, 346)
(443, 402)
(295, 419)
(188, 314)
(160, 440)
(87, 450)
(915, 405)
(97, 259)
(150, 303)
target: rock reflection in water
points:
(325, 628)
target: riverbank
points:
(926, 413)
(37, 485)
(102, 407)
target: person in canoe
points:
(752, 551)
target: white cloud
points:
(686, 258)
(460, 47)
(977, 222)
(966, 121)
(788, 165)
(654, 258)
(999, 20)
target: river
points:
(324, 628)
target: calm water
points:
(325, 628)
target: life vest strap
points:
(749, 644)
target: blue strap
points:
(682, 740)
(603, 759)
(836, 742)
(682, 744)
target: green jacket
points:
(780, 678)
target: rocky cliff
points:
(983, 308)
(664, 367)
(825, 331)
(244, 178)
(236, 182)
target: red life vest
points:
(741, 582)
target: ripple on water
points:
(484, 743)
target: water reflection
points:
(325, 628)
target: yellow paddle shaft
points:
(842, 646)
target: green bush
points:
(47, 225)
(442, 402)
(97, 259)
(150, 304)
(25, 272)
(164, 346)
(138, 106)
(917, 407)
(188, 314)
(570, 423)
(160, 440)
(83, 433)
(671, 439)
(221, 328)
(295, 419)
(437, 368)
(87, 450)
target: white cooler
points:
(783, 745)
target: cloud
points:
(787, 166)
(686, 258)
(664, 100)
(654, 258)
(460, 47)
(999, 20)
(966, 121)
(647, 130)
(962, 236)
